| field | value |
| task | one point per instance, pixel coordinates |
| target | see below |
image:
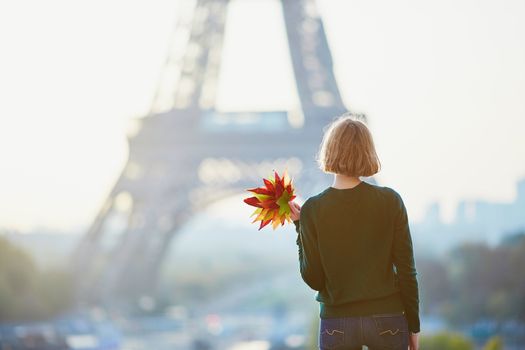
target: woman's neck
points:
(343, 181)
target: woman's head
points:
(348, 148)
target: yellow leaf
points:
(286, 179)
(269, 214)
(262, 215)
(257, 211)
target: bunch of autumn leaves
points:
(272, 200)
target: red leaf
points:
(271, 204)
(269, 185)
(260, 190)
(278, 190)
(264, 223)
(277, 178)
(254, 201)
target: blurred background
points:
(129, 131)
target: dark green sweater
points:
(355, 249)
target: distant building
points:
(475, 220)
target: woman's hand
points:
(295, 210)
(413, 341)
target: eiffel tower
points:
(185, 154)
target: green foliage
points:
(476, 281)
(494, 343)
(445, 341)
(434, 284)
(27, 293)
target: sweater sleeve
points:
(309, 257)
(403, 259)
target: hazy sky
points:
(442, 82)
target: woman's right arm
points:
(403, 259)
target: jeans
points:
(377, 332)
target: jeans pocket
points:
(392, 330)
(332, 334)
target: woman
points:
(355, 249)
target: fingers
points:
(295, 205)
(295, 209)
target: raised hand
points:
(295, 210)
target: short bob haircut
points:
(348, 148)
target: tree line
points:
(28, 293)
(475, 281)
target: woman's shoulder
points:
(311, 201)
(391, 191)
(388, 192)
(397, 201)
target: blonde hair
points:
(348, 148)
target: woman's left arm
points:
(309, 256)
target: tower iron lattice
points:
(185, 154)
